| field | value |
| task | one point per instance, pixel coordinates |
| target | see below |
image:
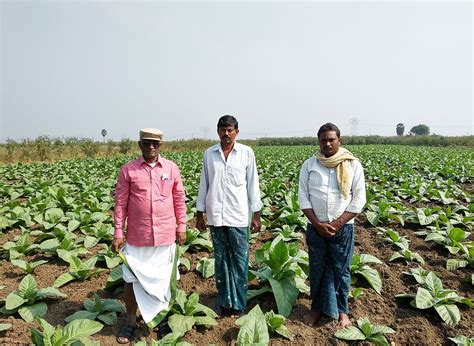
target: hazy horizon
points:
(72, 68)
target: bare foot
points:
(344, 319)
(312, 317)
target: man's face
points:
(227, 134)
(150, 149)
(329, 143)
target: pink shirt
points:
(152, 199)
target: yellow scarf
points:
(340, 161)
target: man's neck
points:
(227, 147)
(152, 160)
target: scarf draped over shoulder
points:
(340, 161)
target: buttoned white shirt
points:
(318, 190)
(229, 190)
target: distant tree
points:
(420, 130)
(400, 129)
(103, 133)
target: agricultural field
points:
(413, 269)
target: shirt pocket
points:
(166, 188)
(236, 175)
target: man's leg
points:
(130, 304)
(342, 248)
(317, 261)
(239, 267)
(220, 243)
(125, 333)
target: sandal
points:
(162, 329)
(125, 334)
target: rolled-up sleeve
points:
(253, 188)
(179, 202)
(303, 189)
(122, 191)
(358, 189)
(203, 186)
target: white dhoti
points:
(151, 269)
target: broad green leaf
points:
(5, 326)
(79, 329)
(13, 301)
(349, 333)
(253, 328)
(30, 312)
(205, 320)
(373, 278)
(27, 287)
(423, 299)
(285, 292)
(181, 324)
(72, 225)
(80, 315)
(62, 280)
(433, 283)
(378, 339)
(50, 292)
(449, 313)
(108, 318)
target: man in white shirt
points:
(331, 193)
(229, 194)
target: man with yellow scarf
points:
(331, 193)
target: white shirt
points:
(229, 191)
(318, 190)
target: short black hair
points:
(227, 120)
(329, 127)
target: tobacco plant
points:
(27, 299)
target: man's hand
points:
(200, 223)
(325, 230)
(117, 244)
(181, 238)
(256, 224)
(336, 224)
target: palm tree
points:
(400, 129)
(103, 133)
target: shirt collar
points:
(160, 160)
(218, 147)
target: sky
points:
(73, 68)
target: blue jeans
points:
(329, 270)
(231, 253)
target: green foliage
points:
(283, 271)
(187, 312)
(467, 257)
(433, 295)
(400, 129)
(78, 270)
(74, 332)
(407, 255)
(26, 266)
(462, 340)
(253, 328)
(5, 326)
(393, 237)
(360, 267)
(206, 267)
(365, 330)
(20, 247)
(420, 130)
(104, 310)
(27, 299)
(171, 339)
(89, 147)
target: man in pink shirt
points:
(150, 199)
